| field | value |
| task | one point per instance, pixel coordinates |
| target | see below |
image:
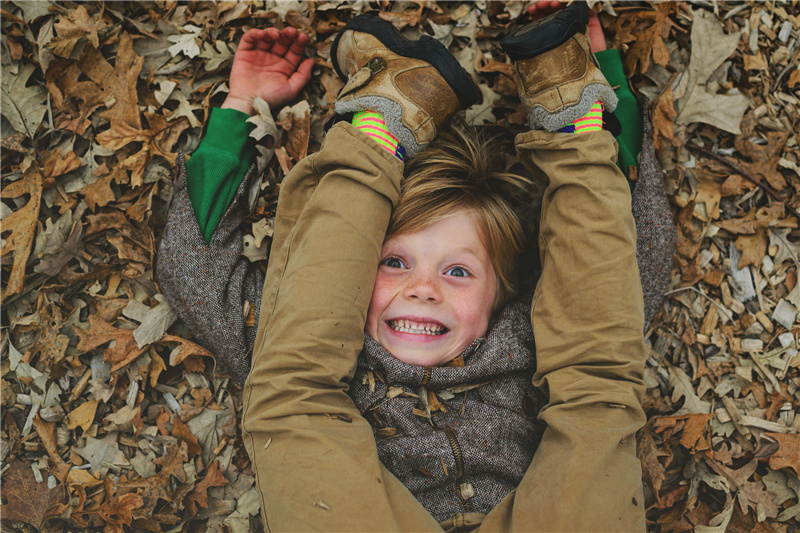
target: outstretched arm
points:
(200, 266)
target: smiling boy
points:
(447, 385)
(434, 292)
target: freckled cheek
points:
(381, 296)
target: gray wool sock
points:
(541, 119)
(391, 112)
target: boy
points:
(310, 313)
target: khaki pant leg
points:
(314, 456)
(587, 319)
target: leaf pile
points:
(114, 420)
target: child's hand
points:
(268, 63)
(597, 38)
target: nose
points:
(422, 286)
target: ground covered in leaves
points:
(114, 420)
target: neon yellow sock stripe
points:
(591, 121)
(372, 124)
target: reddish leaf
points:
(198, 497)
(29, 501)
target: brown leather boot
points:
(416, 85)
(558, 77)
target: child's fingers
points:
(297, 49)
(543, 8)
(258, 39)
(284, 41)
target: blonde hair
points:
(457, 172)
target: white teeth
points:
(407, 326)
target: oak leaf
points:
(788, 455)
(102, 453)
(49, 341)
(753, 248)
(198, 496)
(23, 106)
(22, 224)
(161, 485)
(114, 511)
(710, 47)
(114, 87)
(644, 32)
(27, 500)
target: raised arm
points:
(199, 266)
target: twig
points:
(766, 188)
(707, 297)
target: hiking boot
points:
(558, 77)
(416, 85)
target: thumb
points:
(300, 78)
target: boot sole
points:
(427, 49)
(546, 34)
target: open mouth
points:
(417, 328)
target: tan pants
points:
(314, 456)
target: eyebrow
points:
(469, 251)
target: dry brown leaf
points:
(198, 497)
(113, 511)
(694, 431)
(83, 415)
(645, 32)
(160, 486)
(22, 225)
(27, 500)
(181, 432)
(753, 248)
(788, 455)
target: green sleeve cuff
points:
(627, 111)
(228, 130)
(218, 166)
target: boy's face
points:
(434, 292)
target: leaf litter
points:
(115, 420)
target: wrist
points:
(245, 105)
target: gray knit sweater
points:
(460, 438)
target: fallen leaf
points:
(198, 496)
(786, 248)
(22, 225)
(710, 47)
(753, 248)
(186, 43)
(23, 106)
(83, 415)
(154, 322)
(102, 454)
(788, 455)
(480, 114)
(159, 486)
(27, 500)
(181, 432)
(113, 511)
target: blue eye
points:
(457, 272)
(393, 262)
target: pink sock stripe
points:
(372, 132)
(383, 142)
(377, 129)
(371, 123)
